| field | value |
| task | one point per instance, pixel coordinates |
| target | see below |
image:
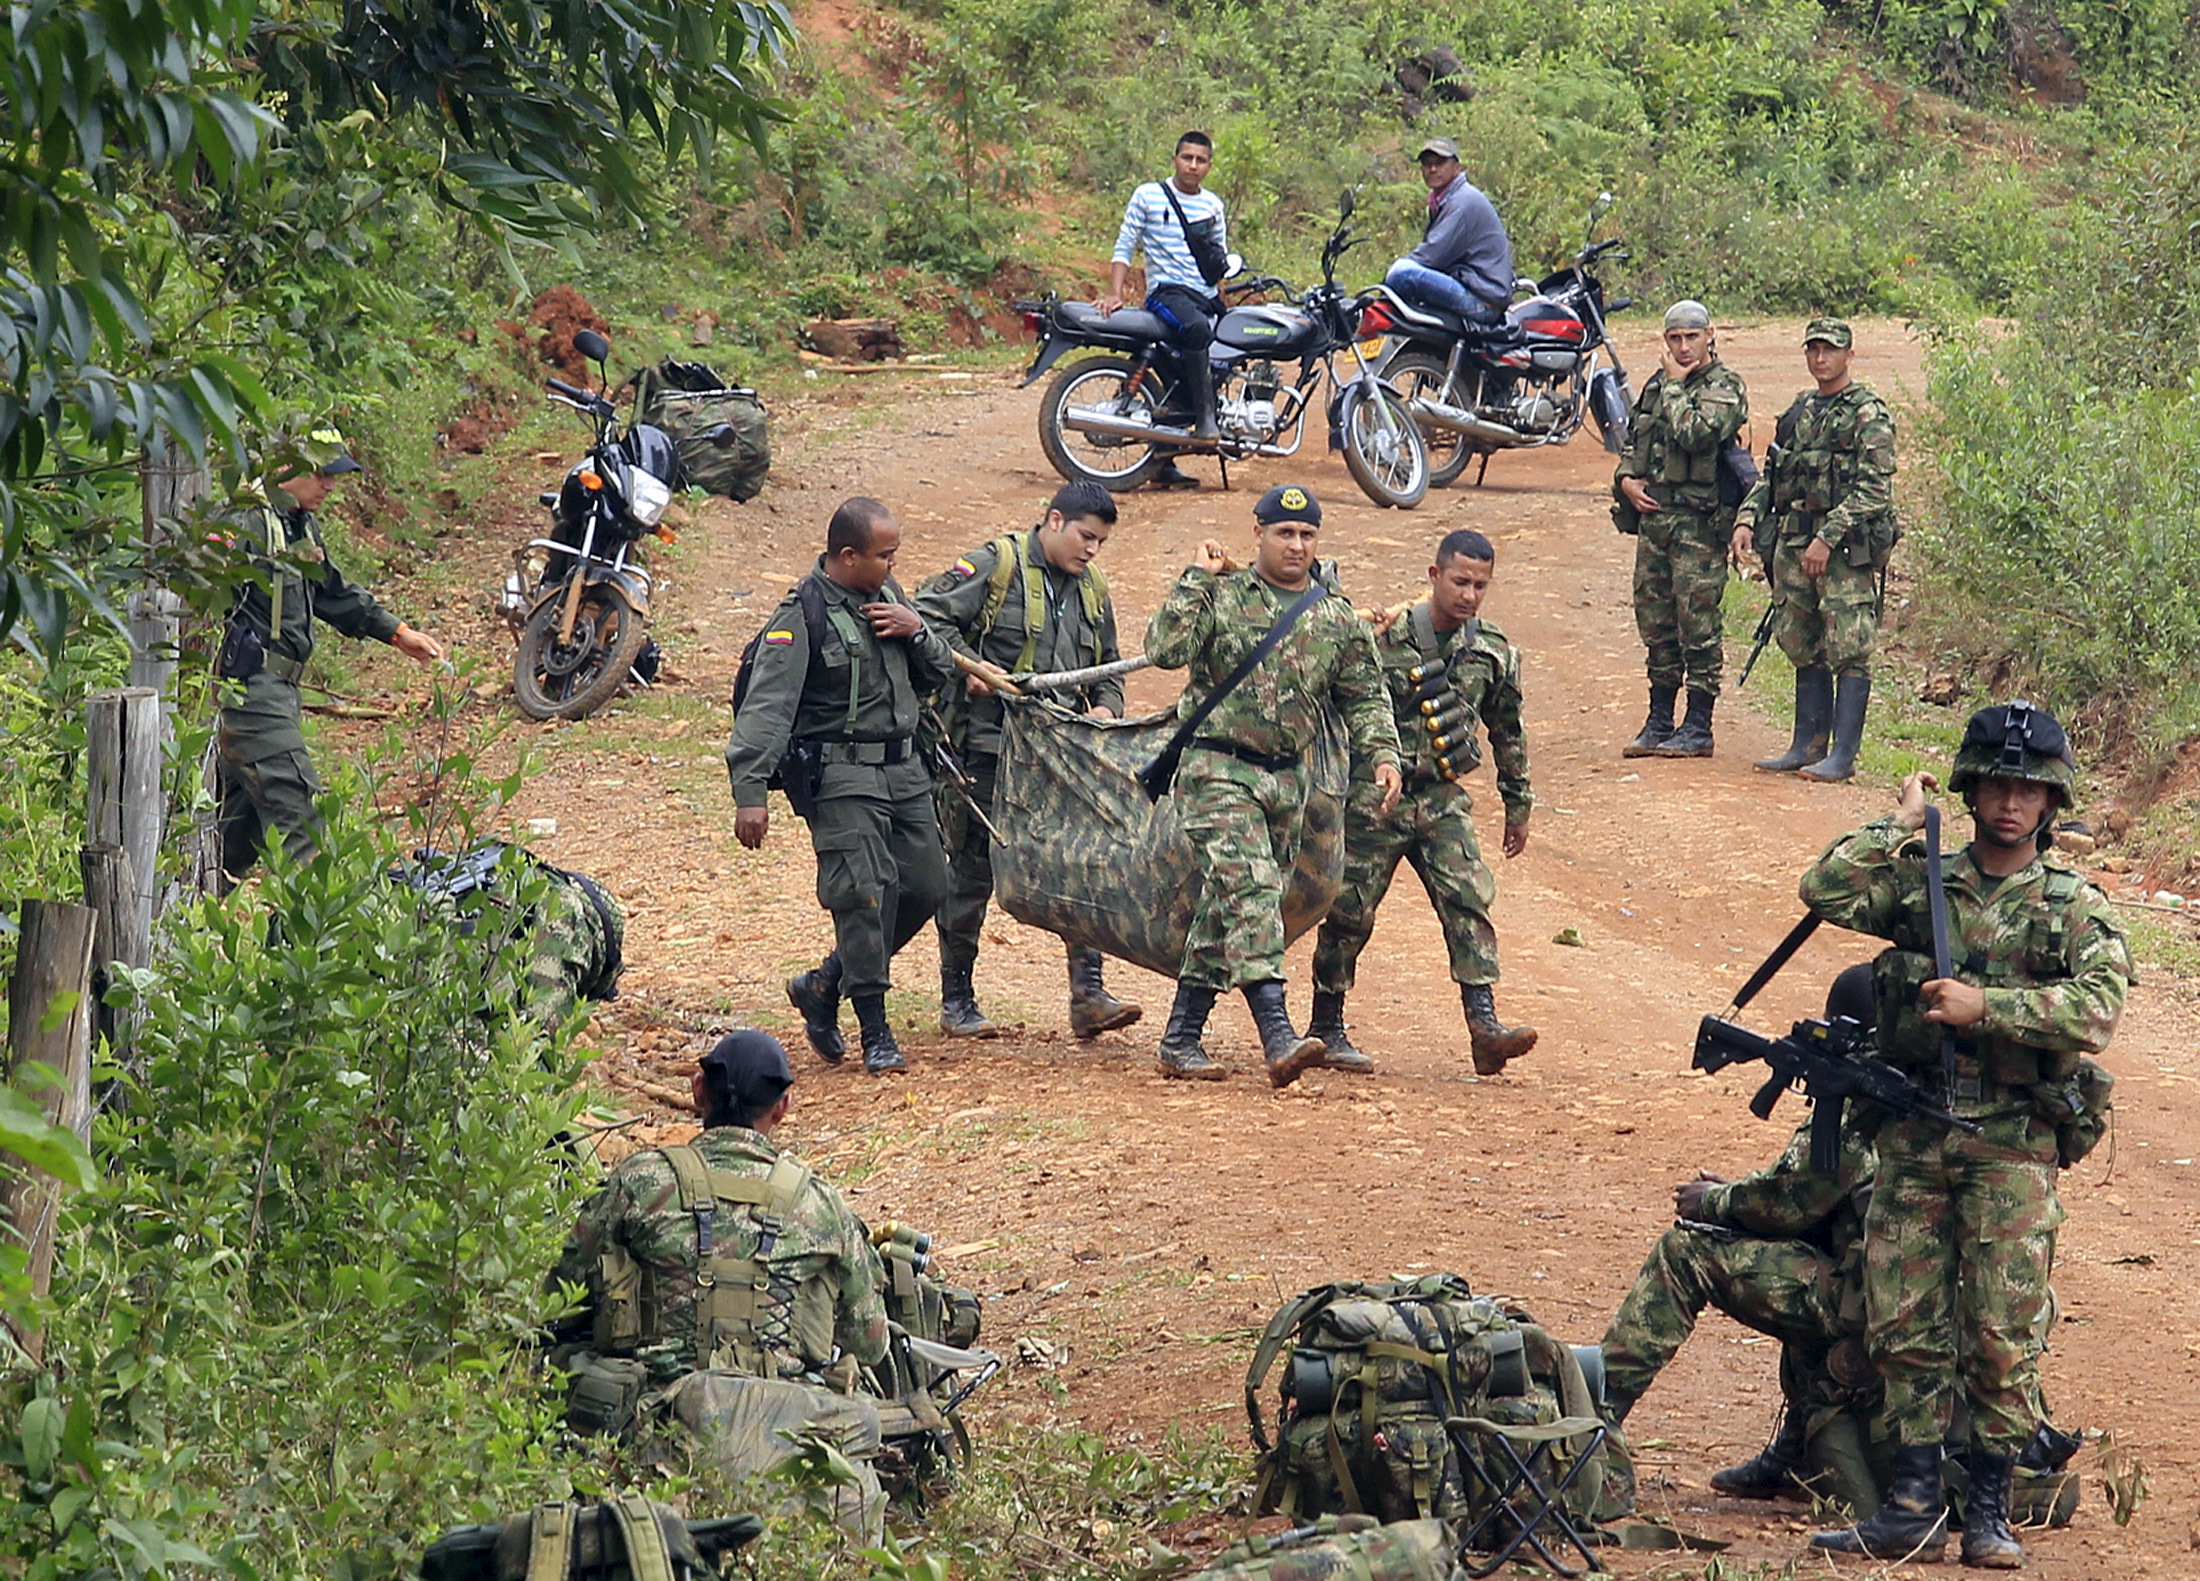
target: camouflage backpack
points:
(627, 1538)
(1375, 1370)
(687, 399)
(1344, 1548)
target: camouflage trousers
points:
(1786, 1289)
(1245, 821)
(1831, 619)
(265, 779)
(1680, 577)
(969, 863)
(1958, 1247)
(566, 953)
(1432, 829)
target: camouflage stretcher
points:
(1085, 855)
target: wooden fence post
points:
(127, 806)
(124, 934)
(53, 958)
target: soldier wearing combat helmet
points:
(1961, 1231)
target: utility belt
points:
(875, 753)
(1273, 762)
(244, 654)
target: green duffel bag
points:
(1344, 1548)
(687, 400)
(628, 1538)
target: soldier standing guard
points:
(1449, 674)
(1686, 417)
(829, 703)
(1241, 790)
(1960, 1235)
(1827, 496)
(1027, 602)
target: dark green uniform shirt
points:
(1485, 685)
(288, 551)
(860, 688)
(953, 604)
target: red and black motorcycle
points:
(1475, 389)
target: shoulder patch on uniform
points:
(964, 568)
(778, 639)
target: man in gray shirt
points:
(1464, 264)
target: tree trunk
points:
(52, 961)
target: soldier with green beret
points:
(1028, 602)
(1826, 500)
(1241, 790)
(843, 685)
(1688, 414)
(1451, 676)
(1960, 1234)
(266, 782)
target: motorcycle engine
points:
(1533, 410)
(1250, 411)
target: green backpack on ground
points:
(1344, 1548)
(627, 1538)
(686, 399)
(1374, 1369)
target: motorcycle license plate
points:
(1371, 348)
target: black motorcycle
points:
(1118, 418)
(1476, 389)
(579, 599)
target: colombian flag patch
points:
(966, 568)
(778, 639)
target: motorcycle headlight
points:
(646, 497)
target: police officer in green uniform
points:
(1827, 496)
(1027, 603)
(1451, 676)
(266, 780)
(839, 673)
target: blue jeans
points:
(1426, 287)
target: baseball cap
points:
(751, 1067)
(1287, 502)
(1688, 313)
(325, 439)
(1442, 147)
(1833, 331)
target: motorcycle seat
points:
(1131, 322)
(1423, 316)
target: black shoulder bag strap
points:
(1203, 257)
(1156, 776)
(1936, 895)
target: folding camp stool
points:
(1528, 1480)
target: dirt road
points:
(1150, 1228)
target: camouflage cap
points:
(1833, 331)
(1287, 502)
(1688, 313)
(2017, 741)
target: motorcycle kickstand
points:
(1483, 470)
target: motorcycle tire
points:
(572, 680)
(1382, 447)
(1449, 452)
(1081, 458)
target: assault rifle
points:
(1757, 648)
(1832, 1063)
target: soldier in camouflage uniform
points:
(849, 692)
(266, 782)
(1030, 602)
(1450, 674)
(1827, 500)
(1241, 790)
(1961, 1228)
(575, 929)
(1687, 415)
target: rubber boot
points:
(816, 996)
(1203, 397)
(1693, 739)
(960, 1016)
(1772, 1472)
(1988, 1542)
(1328, 1025)
(1813, 722)
(1912, 1523)
(1092, 1009)
(1172, 476)
(1287, 1053)
(1658, 727)
(1181, 1057)
(1849, 704)
(1494, 1042)
(881, 1054)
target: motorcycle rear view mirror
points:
(1345, 204)
(1233, 265)
(591, 345)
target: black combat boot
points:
(1913, 1522)
(960, 1016)
(1658, 727)
(1775, 1471)
(1988, 1542)
(1181, 1055)
(1328, 1025)
(881, 1053)
(1693, 739)
(1092, 1009)
(1494, 1042)
(816, 995)
(1849, 705)
(1200, 374)
(1287, 1053)
(1813, 723)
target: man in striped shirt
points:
(1178, 290)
